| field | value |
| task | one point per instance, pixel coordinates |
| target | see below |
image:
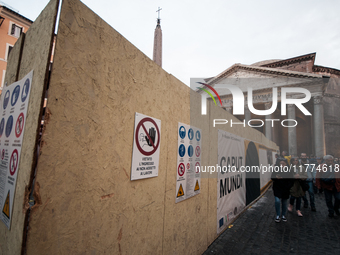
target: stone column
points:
(275, 129)
(292, 144)
(247, 114)
(318, 127)
(268, 124)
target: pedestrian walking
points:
(310, 169)
(298, 189)
(282, 182)
(328, 178)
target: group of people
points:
(299, 176)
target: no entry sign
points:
(149, 135)
(146, 147)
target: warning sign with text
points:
(188, 161)
(13, 110)
(146, 147)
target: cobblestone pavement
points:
(256, 232)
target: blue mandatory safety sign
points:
(9, 126)
(198, 135)
(181, 150)
(15, 95)
(182, 132)
(191, 134)
(190, 151)
(2, 125)
(25, 90)
(6, 99)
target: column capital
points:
(317, 99)
(291, 106)
(267, 105)
(228, 108)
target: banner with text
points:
(231, 188)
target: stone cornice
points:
(264, 70)
(290, 61)
(331, 95)
(4, 11)
(323, 69)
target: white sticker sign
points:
(188, 160)
(14, 104)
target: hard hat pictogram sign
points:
(6, 208)
(147, 136)
(197, 186)
(180, 192)
(19, 126)
(181, 169)
(182, 132)
(13, 163)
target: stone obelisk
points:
(157, 45)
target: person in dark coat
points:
(282, 182)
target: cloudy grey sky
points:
(203, 38)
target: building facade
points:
(318, 133)
(12, 25)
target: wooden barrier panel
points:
(89, 204)
(36, 53)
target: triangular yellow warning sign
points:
(197, 186)
(5, 210)
(180, 191)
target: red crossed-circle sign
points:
(181, 169)
(198, 151)
(13, 163)
(197, 165)
(19, 126)
(155, 146)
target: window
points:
(9, 47)
(9, 50)
(16, 30)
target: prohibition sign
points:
(155, 146)
(181, 169)
(19, 126)
(13, 163)
(198, 151)
(197, 167)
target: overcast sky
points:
(203, 38)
